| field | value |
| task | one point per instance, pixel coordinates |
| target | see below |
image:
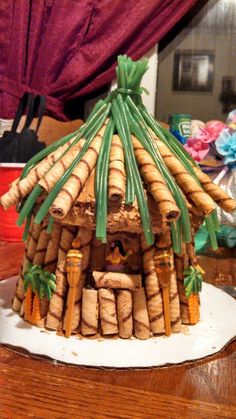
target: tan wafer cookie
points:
(116, 178)
(124, 313)
(140, 315)
(89, 322)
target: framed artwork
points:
(193, 71)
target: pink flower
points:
(210, 132)
(203, 135)
(214, 128)
(196, 148)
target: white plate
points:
(210, 335)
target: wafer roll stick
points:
(21, 188)
(44, 304)
(116, 280)
(56, 305)
(116, 178)
(41, 249)
(72, 188)
(192, 209)
(76, 318)
(140, 315)
(51, 256)
(15, 182)
(217, 194)
(154, 180)
(55, 173)
(81, 242)
(107, 310)
(30, 249)
(74, 269)
(124, 313)
(89, 322)
(186, 182)
(153, 290)
(175, 317)
(162, 265)
(181, 263)
(191, 251)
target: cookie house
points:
(110, 214)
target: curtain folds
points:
(65, 49)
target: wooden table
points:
(40, 389)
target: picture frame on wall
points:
(193, 71)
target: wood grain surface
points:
(39, 388)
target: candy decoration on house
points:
(73, 268)
(122, 183)
(193, 285)
(38, 284)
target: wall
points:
(214, 30)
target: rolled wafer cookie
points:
(116, 178)
(56, 172)
(72, 188)
(41, 250)
(107, 310)
(152, 289)
(181, 263)
(193, 191)
(116, 280)
(216, 192)
(124, 313)
(51, 255)
(140, 315)
(22, 187)
(81, 242)
(89, 322)
(175, 317)
(32, 241)
(56, 306)
(42, 244)
(155, 182)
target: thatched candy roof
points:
(122, 170)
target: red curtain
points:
(66, 49)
